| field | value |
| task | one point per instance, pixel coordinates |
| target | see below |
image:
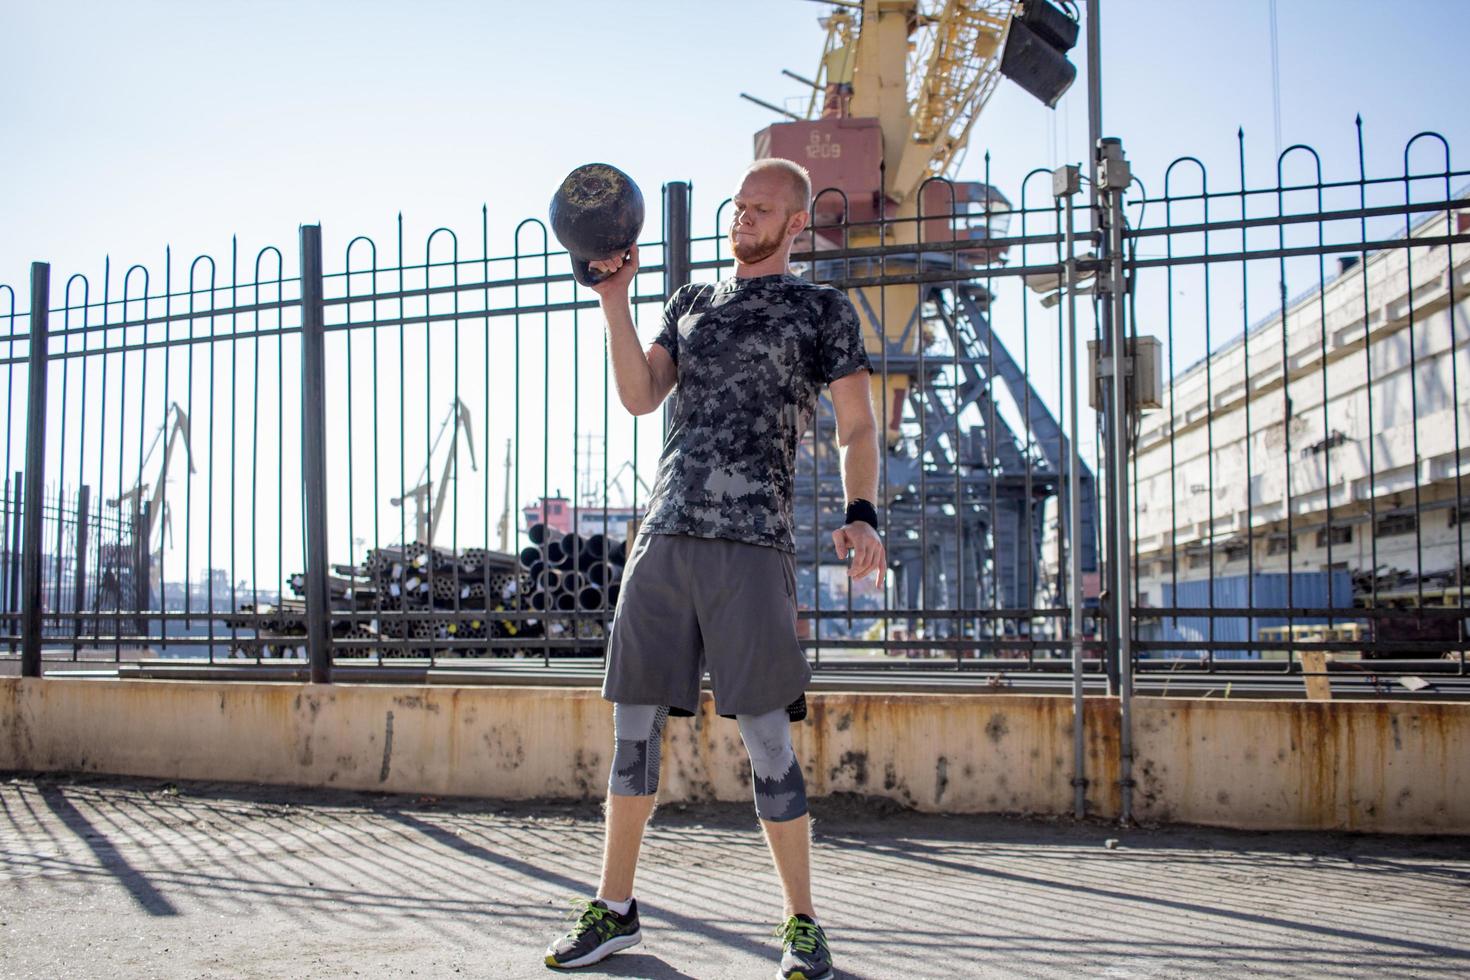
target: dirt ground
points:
(107, 877)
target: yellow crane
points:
(923, 70)
(897, 92)
(898, 88)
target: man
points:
(710, 583)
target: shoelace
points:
(799, 935)
(589, 916)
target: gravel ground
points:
(110, 877)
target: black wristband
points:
(861, 510)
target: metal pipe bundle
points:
(415, 577)
(575, 575)
(561, 574)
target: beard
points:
(750, 251)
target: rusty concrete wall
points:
(969, 753)
(1388, 766)
(1354, 765)
(513, 743)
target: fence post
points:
(35, 472)
(676, 236)
(676, 249)
(84, 514)
(143, 569)
(1109, 622)
(313, 452)
(12, 558)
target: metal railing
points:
(1298, 491)
(274, 462)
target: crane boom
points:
(148, 519)
(170, 442)
(923, 68)
(505, 514)
(461, 419)
(954, 69)
(428, 506)
(902, 82)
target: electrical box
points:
(1144, 369)
(1066, 180)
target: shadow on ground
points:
(100, 875)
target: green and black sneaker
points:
(597, 933)
(804, 953)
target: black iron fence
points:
(90, 562)
(1297, 487)
(273, 451)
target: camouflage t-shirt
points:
(752, 355)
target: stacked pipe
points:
(281, 629)
(569, 573)
(468, 587)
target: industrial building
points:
(1352, 481)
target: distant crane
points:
(154, 513)
(616, 482)
(594, 495)
(429, 506)
(505, 513)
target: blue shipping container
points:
(1266, 590)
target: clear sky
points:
(131, 127)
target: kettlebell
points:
(596, 214)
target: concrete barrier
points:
(1386, 766)
(1375, 766)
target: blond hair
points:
(797, 176)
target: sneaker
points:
(804, 953)
(597, 933)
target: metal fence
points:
(278, 448)
(1299, 488)
(91, 564)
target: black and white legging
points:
(780, 790)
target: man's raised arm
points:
(857, 440)
(643, 378)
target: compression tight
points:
(780, 790)
(638, 731)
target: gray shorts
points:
(688, 605)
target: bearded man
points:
(711, 581)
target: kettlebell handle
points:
(585, 275)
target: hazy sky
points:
(131, 127)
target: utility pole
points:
(1094, 93)
(1115, 176)
(1111, 444)
(1110, 178)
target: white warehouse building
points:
(1377, 486)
